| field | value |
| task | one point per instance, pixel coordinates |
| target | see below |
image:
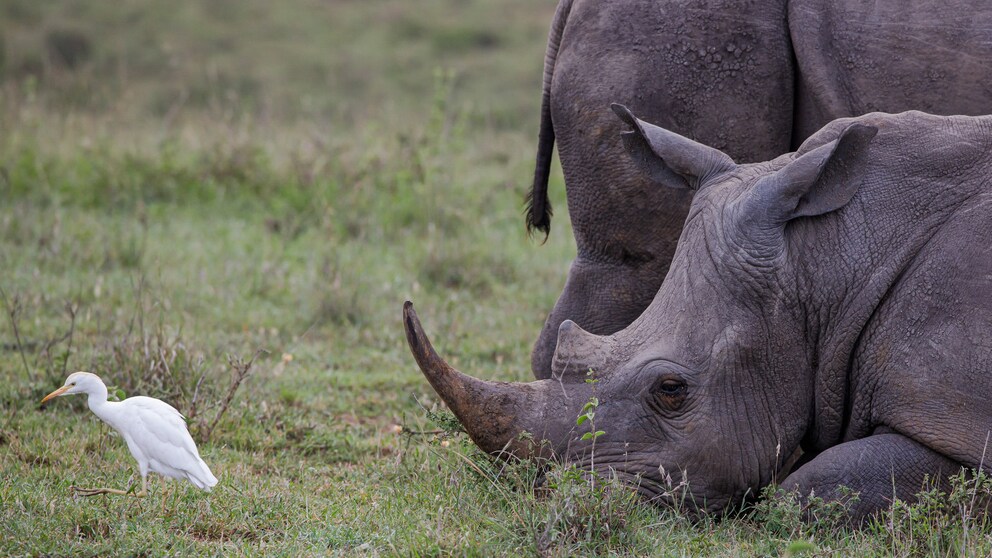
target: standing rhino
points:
(854, 57)
(835, 299)
(753, 79)
(717, 71)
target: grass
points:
(183, 185)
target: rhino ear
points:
(668, 158)
(817, 182)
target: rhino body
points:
(855, 57)
(835, 300)
(716, 71)
(753, 79)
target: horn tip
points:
(412, 325)
(420, 345)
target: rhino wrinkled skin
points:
(753, 79)
(835, 299)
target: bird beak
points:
(55, 393)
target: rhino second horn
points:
(493, 413)
(578, 351)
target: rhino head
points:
(712, 386)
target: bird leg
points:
(97, 491)
(162, 477)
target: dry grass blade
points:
(492, 481)
(241, 370)
(12, 310)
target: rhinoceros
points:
(753, 79)
(837, 299)
(718, 71)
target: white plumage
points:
(155, 433)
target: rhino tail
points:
(538, 206)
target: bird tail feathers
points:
(202, 479)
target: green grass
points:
(211, 179)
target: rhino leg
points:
(879, 468)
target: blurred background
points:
(275, 64)
(290, 167)
(186, 184)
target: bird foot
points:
(87, 492)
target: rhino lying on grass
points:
(837, 299)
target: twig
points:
(409, 432)
(196, 395)
(5, 175)
(4, 430)
(46, 350)
(12, 311)
(71, 309)
(966, 515)
(241, 371)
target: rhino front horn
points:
(494, 414)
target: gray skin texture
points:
(834, 300)
(851, 57)
(716, 71)
(855, 57)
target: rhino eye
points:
(671, 388)
(668, 394)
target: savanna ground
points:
(185, 185)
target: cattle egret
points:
(155, 433)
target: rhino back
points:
(856, 57)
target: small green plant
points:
(588, 412)
(797, 524)
(939, 522)
(444, 420)
(115, 393)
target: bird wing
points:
(160, 430)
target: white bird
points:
(155, 433)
